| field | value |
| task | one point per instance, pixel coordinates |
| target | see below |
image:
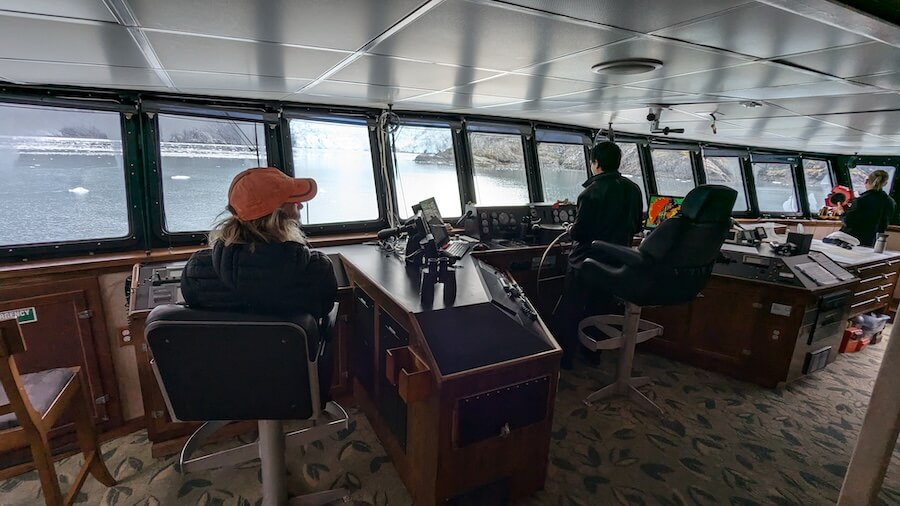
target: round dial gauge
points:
(563, 216)
(504, 218)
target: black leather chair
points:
(217, 367)
(671, 266)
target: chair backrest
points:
(218, 365)
(678, 256)
(11, 343)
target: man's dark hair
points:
(607, 155)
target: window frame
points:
(832, 176)
(564, 137)
(453, 127)
(692, 150)
(381, 186)
(535, 194)
(134, 200)
(746, 176)
(796, 180)
(153, 162)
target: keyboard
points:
(457, 249)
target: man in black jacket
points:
(609, 209)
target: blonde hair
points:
(878, 179)
(277, 227)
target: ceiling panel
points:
(750, 76)
(844, 103)
(184, 52)
(782, 123)
(236, 82)
(762, 31)
(476, 35)
(460, 100)
(254, 95)
(78, 9)
(733, 110)
(886, 81)
(677, 59)
(640, 15)
(86, 75)
(824, 89)
(525, 86)
(83, 42)
(338, 24)
(367, 92)
(858, 60)
(879, 123)
(620, 94)
(387, 71)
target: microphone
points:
(464, 218)
(391, 232)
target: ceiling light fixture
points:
(630, 66)
(751, 104)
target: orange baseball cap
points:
(258, 192)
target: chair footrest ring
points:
(609, 328)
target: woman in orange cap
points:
(259, 259)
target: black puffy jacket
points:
(283, 278)
(609, 209)
(869, 215)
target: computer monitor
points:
(433, 218)
(661, 208)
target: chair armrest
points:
(624, 254)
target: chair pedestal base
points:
(270, 449)
(634, 330)
(629, 389)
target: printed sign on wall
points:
(23, 315)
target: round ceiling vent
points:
(632, 66)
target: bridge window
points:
(198, 159)
(726, 170)
(817, 174)
(631, 167)
(775, 190)
(859, 174)
(425, 166)
(339, 157)
(499, 169)
(674, 175)
(563, 164)
(63, 175)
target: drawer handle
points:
(886, 286)
(867, 267)
(881, 297)
(364, 302)
(889, 274)
(880, 276)
(390, 329)
(892, 262)
(870, 290)
(863, 303)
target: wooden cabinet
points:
(63, 325)
(751, 330)
(877, 281)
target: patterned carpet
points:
(721, 442)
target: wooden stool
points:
(29, 406)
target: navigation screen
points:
(433, 217)
(662, 208)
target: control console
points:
(812, 271)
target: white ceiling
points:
(825, 86)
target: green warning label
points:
(24, 315)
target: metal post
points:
(274, 470)
(629, 338)
(876, 440)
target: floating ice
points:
(79, 190)
(180, 178)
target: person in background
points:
(609, 209)
(870, 213)
(259, 260)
